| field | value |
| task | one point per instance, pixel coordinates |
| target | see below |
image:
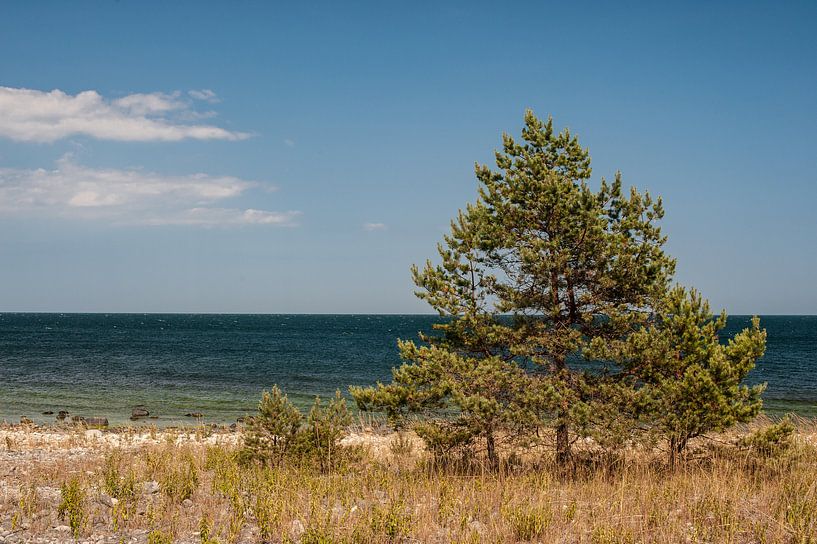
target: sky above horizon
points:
(248, 157)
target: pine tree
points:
(271, 433)
(691, 382)
(280, 432)
(536, 268)
(324, 428)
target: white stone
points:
(108, 501)
(150, 488)
(296, 529)
(477, 526)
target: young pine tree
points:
(272, 433)
(279, 432)
(539, 266)
(691, 382)
(324, 428)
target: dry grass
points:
(393, 493)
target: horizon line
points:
(44, 312)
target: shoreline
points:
(124, 418)
(186, 478)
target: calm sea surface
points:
(97, 364)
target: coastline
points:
(389, 493)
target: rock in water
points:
(194, 414)
(61, 415)
(139, 411)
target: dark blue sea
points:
(104, 364)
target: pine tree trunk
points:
(676, 447)
(672, 457)
(562, 445)
(493, 458)
(562, 433)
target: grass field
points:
(187, 486)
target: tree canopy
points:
(538, 269)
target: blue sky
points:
(253, 157)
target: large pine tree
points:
(539, 266)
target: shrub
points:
(279, 432)
(772, 440)
(72, 506)
(118, 485)
(27, 505)
(392, 520)
(206, 531)
(401, 445)
(267, 508)
(323, 431)
(159, 537)
(609, 535)
(180, 483)
(273, 431)
(528, 522)
(317, 536)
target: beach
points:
(184, 481)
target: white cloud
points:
(371, 227)
(36, 116)
(205, 94)
(129, 196)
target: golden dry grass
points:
(392, 493)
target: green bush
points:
(159, 537)
(180, 483)
(116, 484)
(279, 432)
(72, 506)
(324, 428)
(772, 440)
(273, 431)
(206, 531)
(527, 521)
(392, 520)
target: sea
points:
(218, 365)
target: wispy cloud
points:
(371, 227)
(205, 94)
(130, 196)
(37, 116)
(226, 216)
